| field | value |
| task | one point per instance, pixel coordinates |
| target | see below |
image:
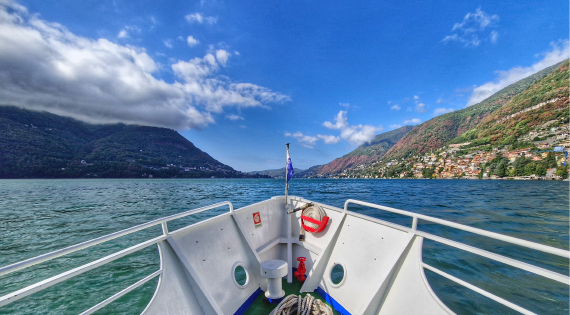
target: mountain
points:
(44, 145)
(278, 173)
(367, 153)
(508, 142)
(541, 103)
(440, 130)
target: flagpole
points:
(286, 182)
(289, 223)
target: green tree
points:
(562, 171)
(540, 170)
(502, 170)
(529, 169)
(428, 172)
(550, 160)
(520, 164)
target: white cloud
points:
(413, 121)
(345, 105)
(479, 18)
(200, 18)
(395, 126)
(559, 51)
(416, 97)
(340, 121)
(470, 31)
(167, 43)
(192, 41)
(329, 139)
(304, 140)
(222, 56)
(395, 107)
(43, 66)
(123, 34)
(494, 37)
(355, 135)
(234, 117)
(442, 110)
(421, 108)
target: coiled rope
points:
(303, 306)
(313, 212)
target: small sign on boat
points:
(257, 220)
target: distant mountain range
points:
(43, 145)
(367, 153)
(484, 122)
(443, 129)
(278, 173)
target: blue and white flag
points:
(290, 171)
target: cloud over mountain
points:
(560, 50)
(43, 66)
(354, 134)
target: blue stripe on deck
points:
(332, 301)
(241, 310)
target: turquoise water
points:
(39, 216)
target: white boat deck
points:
(382, 261)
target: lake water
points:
(39, 216)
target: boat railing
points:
(44, 284)
(497, 257)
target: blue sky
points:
(241, 78)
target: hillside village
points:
(525, 159)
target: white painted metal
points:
(497, 236)
(408, 284)
(506, 260)
(513, 262)
(14, 296)
(510, 261)
(382, 260)
(369, 251)
(274, 268)
(209, 252)
(178, 293)
(64, 251)
(160, 278)
(316, 270)
(273, 271)
(272, 227)
(197, 281)
(288, 207)
(122, 292)
(479, 290)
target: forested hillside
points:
(440, 130)
(367, 153)
(543, 101)
(44, 145)
(523, 139)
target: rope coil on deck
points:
(303, 306)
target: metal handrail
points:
(509, 261)
(41, 285)
(497, 236)
(64, 251)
